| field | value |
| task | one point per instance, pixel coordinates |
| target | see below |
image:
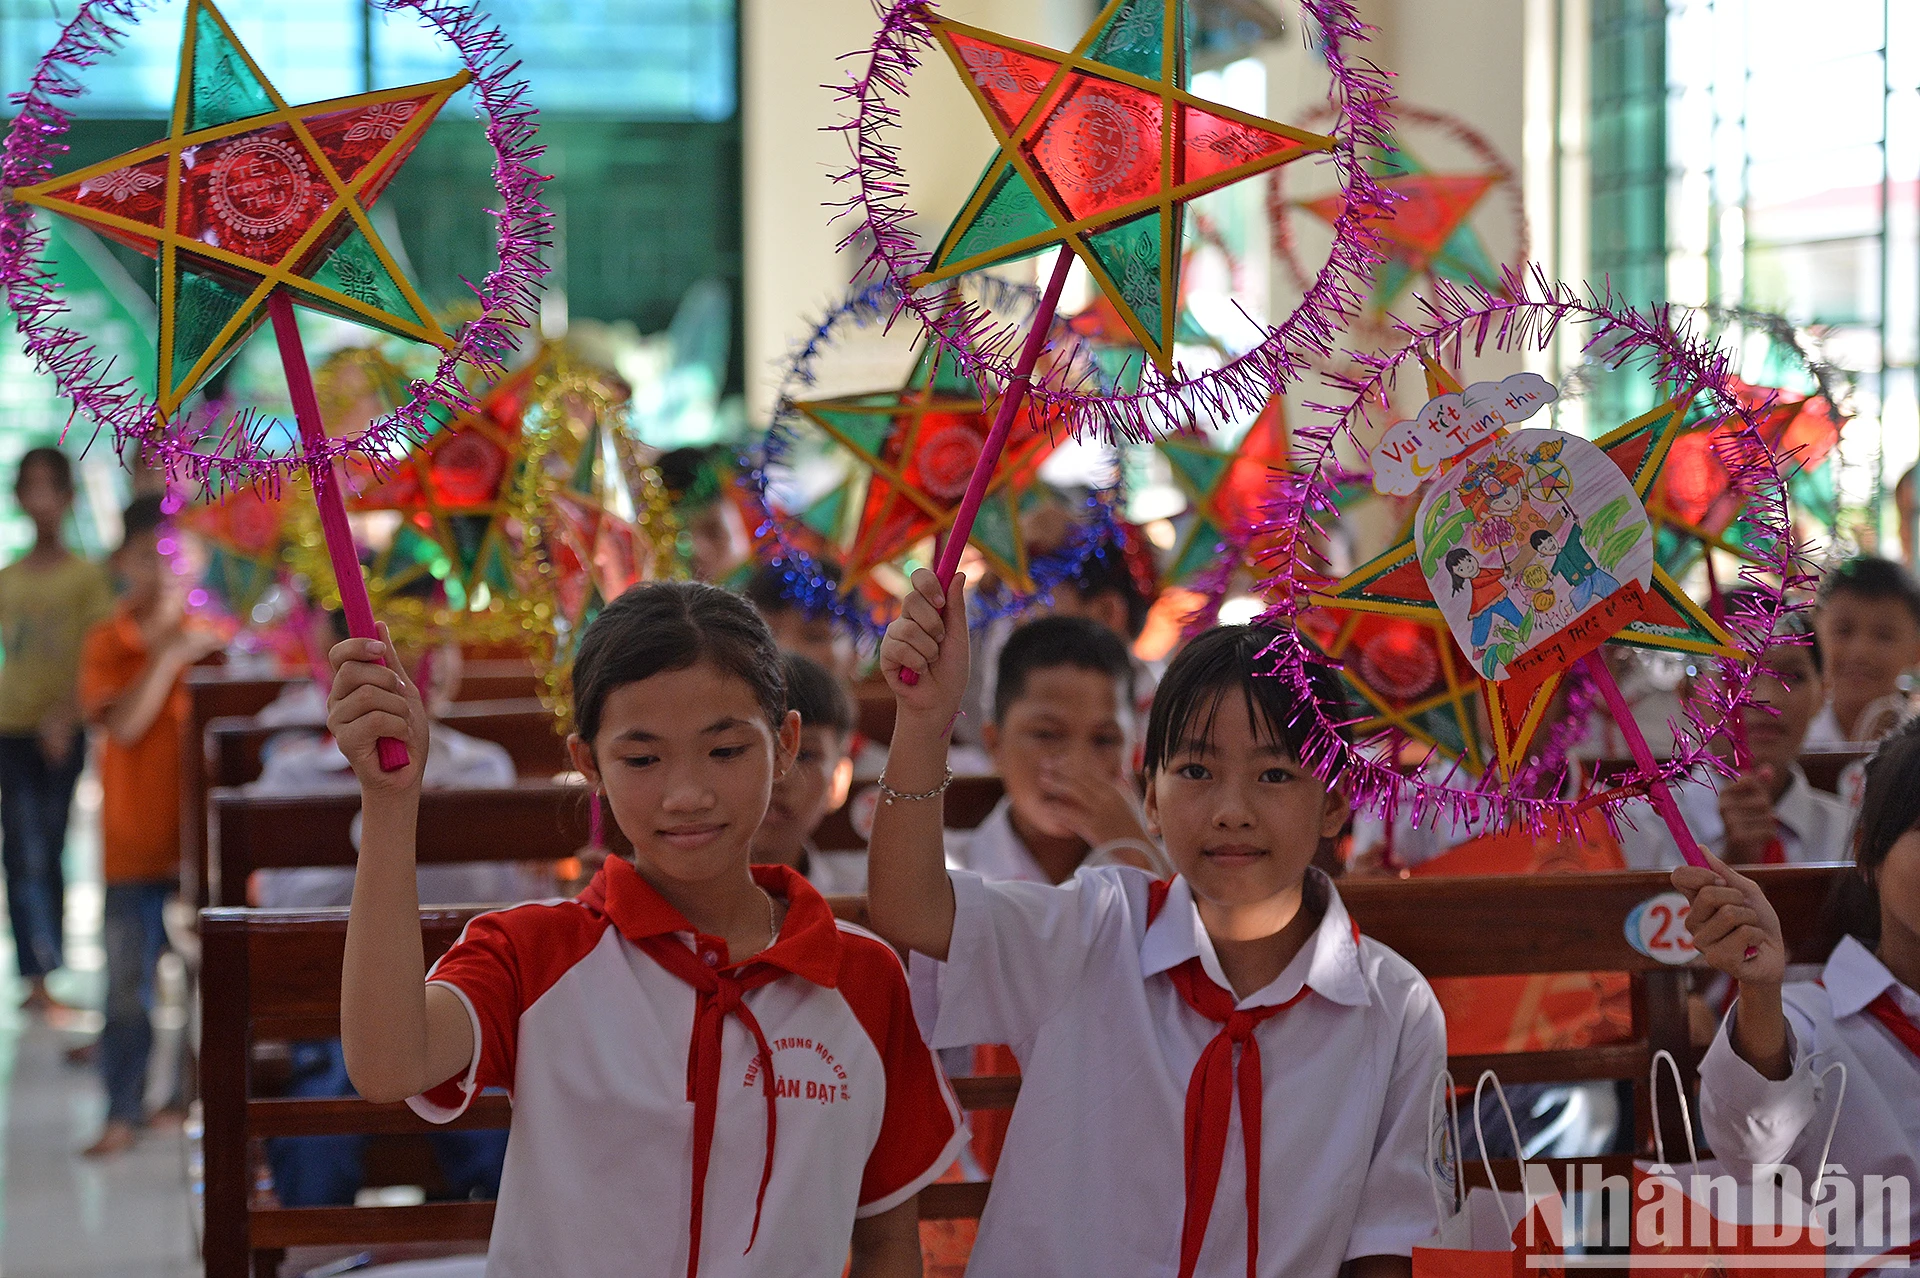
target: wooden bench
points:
(213, 693)
(1823, 768)
(969, 801)
(531, 821)
(234, 746)
(276, 974)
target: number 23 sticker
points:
(1657, 927)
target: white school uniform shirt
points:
(1824, 732)
(1813, 826)
(303, 765)
(591, 1036)
(994, 850)
(1091, 1178)
(836, 873)
(1752, 1120)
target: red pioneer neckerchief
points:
(1210, 1097)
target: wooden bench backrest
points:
(276, 974)
(532, 821)
(214, 694)
(234, 746)
(211, 694)
(968, 801)
(1823, 768)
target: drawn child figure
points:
(1574, 564)
(1496, 497)
(1489, 598)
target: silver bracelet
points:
(889, 794)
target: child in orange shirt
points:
(130, 670)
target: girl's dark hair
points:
(1452, 561)
(1225, 660)
(659, 626)
(1889, 808)
(54, 460)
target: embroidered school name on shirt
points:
(820, 1091)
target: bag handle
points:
(1686, 1112)
(1513, 1128)
(1820, 1177)
(1444, 1079)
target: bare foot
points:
(39, 1000)
(115, 1138)
(168, 1118)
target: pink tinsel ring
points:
(986, 347)
(1526, 313)
(507, 297)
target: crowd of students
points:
(710, 1073)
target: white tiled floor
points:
(63, 1216)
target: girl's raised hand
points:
(929, 637)
(1733, 924)
(369, 701)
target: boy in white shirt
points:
(1867, 614)
(1062, 740)
(816, 786)
(1769, 814)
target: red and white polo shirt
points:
(593, 1037)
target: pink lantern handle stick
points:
(1657, 792)
(1010, 401)
(326, 494)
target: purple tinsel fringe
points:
(1525, 313)
(199, 447)
(806, 581)
(986, 345)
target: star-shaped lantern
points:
(1429, 231)
(593, 518)
(1695, 504)
(1497, 535)
(453, 497)
(1100, 149)
(246, 195)
(921, 443)
(246, 533)
(1410, 674)
(1226, 489)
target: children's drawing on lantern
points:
(1521, 539)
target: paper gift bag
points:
(1700, 1210)
(1481, 1233)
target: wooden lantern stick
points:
(326, 494)
(1010, 400)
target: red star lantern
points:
(1100, 149)
(920, 444)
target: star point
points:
(247, 194)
